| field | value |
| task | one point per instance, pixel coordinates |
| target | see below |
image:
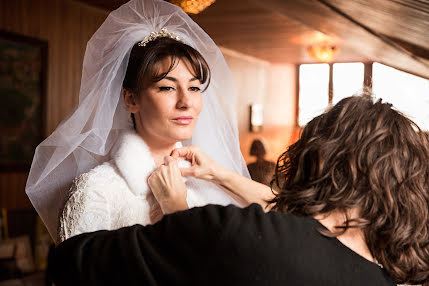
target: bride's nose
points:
(184, 99)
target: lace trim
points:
(74, 202)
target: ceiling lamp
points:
(193, 6)
(322, 52)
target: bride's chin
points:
(181, 136)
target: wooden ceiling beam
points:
(322, 16)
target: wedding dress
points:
(115, 194)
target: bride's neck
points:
(158, 153)
(158, 148)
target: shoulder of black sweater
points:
(198, 221)
(180, 241)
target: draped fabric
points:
(84, 139)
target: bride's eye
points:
(194, 88)
(165, 88)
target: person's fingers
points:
(168, 160)
(183, 152)
(186, 172)
(151, 179)
(187, 152)
(189, 172)
(176, 153)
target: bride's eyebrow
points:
(171, 78)
(175, 79)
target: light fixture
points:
(322, 52)
(256, 117)
(193, 6)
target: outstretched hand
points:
(168, 187)
(202, 166)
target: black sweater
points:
(214, 245)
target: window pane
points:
(347, 80)
(313, 91)
(408, 93)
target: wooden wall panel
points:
(12, 195)
(325, 17)
(67, 26)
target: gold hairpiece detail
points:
(153, 35)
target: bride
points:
(150, 60)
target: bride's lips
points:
(183, 120)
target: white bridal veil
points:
(84, 139)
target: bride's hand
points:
(167, 186)
(202, 166)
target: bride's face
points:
(167, 110)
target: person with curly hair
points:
(349, 205)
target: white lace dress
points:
(115, 194)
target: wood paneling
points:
(354, 30)
(67, 26)
(12, 195)
(251, 28)
(279, 31)
(404, 19)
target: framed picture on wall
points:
(23, 71)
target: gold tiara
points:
(153, 35)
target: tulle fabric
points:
(84, 139)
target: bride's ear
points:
(130, 100)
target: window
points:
(313, 91)
(316, 85)
(322, 85)
(408, 93)
(347, 80)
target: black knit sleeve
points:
(181, 249)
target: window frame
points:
(367, 83)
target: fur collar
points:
(135, 162)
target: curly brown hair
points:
(363, 154)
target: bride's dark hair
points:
(144, 64)
(367, 156)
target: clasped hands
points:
(166, 181)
